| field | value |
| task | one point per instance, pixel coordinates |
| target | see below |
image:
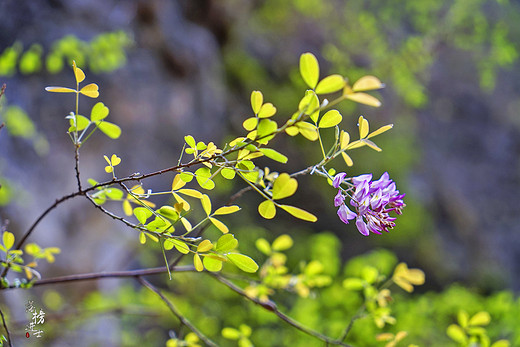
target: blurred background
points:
(171, 68)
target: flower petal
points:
(338, 179)
(345, 214)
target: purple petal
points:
(345, 214)
(362, 226)
(338, 179)
(339, 199)
(361, 178)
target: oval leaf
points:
(226, 243)
(91, 90)
(481, 318)
(284, 186)
(99, 112)
(204, 246)
(110, 129)
(330, 119)
(282, 243)
(250, 123)
(243, 262)
(271, 153)
(198, 263)
(8, 239)
(330, 84)
(365, 99)
(299, 213)
(220, 226)
(309, 69)
(206, 204)
(226, 210)
(257, 100)
(267, 209)
(367, 83)
(363, 127)
(212, 264)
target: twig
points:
(271, 306)
(358, 315)
(113, 274)
(76, 167)
(3, 320)
(172, 308)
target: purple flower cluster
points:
(372, 202)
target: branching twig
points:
(172, 308)
(113, 274)
(271, 306)
(3, 320)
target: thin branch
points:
(172, 308)
(5, 326)
(113, 274)
(76, 167)
(358, 315)
(271, 306)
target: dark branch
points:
(172, 308)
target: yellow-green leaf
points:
(250, 123)
(292, 130)
(226, 243)
(91, 90)
(267, 209)
(191, 192)
(365, 99)
(308, 130)
(371, 145)
(299, 213)
(501, 343)
(330, 119)
(267, 110)
(344, 139)
(109, 129)
(220, 226)
(456, 334)
(266, 127)
(204, 246)
(78, 73)
(367, 83)
(481, 318)
(177, 182)
(380, 130)
(347, 159)
(198, 263)
(363, 127)
(185, 205)
(257, 100)
(243, 262)
(282, 243)
(142, 214)
(228, 173)
(78, 123)
(226, 210)
(203, 175)
(180, 246)
(284, 186)
(263, 246)
(142, 238)
(330, 84)
(271, 153)
(8, 239)
(310, 104)
(60, 90)
(206, 204)
(168, 212)
(231, 334)
(309, 69)
(212, 264)
(99, 112)
(115, 160)
(190, 141)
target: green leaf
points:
(282, 243)
(308, 130)
(8, 239)
(206, 204)
(330, 119)
(266, 127)
(231, 334)
(190, 141)
(256, 101)
(198, 263)
(267, 209)
(299, 213)
(309, 69)
(250, 123)
(481, 318)
(243, 262)
(330, 84)
(142, 238)
(369, 274)
(284, 186)
(179, 245)
(99, 112)
(109, 129)
(501, 343)
(228, 173)
(204, 246)
(267, 110)
(168, 212)
(353, 284)
(226, 210)
(81, 123)
(114, 193)
(186, 176)
(226, 243)
(463, 318)
(263, 246)
(456, 334)
(203, 175)
(271, 153)
(220, 226)
(212, 264)
(142, 214)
